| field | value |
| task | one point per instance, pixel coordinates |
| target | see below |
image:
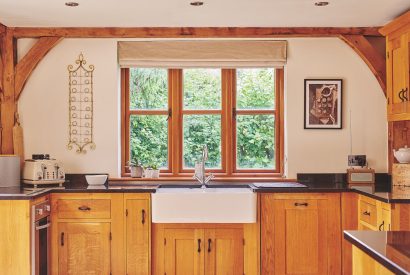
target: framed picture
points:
(323, 104)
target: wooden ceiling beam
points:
(374, 60)
(191, 32)
(29, 62)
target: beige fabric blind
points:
(202, 53)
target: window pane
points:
(255, 88)
(148, 88)
(256, 141)
(149, 139)
(200, 130)
(202, 89)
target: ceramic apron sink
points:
(209, 205)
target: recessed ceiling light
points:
(71, 4)
(197, 3)
(321, 4)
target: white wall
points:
(326, 150)
(44, 107)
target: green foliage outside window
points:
(202, 90)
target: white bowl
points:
(96, 179)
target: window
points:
(169, 114)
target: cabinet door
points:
(301, 234)
(137, 236)
(398, 74)
(184, 251)
(224, 251)
(84, 248)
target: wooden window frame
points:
(228, 127)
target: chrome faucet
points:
(202, 178)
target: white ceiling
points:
(214, 13)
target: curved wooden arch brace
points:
(374, 60)
(29, 62)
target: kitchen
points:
(144, 225)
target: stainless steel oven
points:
(40, 239)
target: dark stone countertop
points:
(389, 248)
(29, 193)
(315, 183)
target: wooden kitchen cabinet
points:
(84, 248)
(100, 233)
(137, 235)
(224, 251)
(397, 71)
(301, 234)
(199, 249)
(15, 235)
(374, 214)
(184, 251)
(363, 264)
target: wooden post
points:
(8, 103)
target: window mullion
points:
(176, 120)
(228, 91)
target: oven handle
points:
(43, 226)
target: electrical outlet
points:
(356, 160)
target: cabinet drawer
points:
(84, 208)
(368, 213)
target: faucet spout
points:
(202, 178)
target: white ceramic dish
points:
(96, 179)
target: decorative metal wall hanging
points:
(81, 106)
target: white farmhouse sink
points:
(210, 205)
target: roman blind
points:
(203, 53)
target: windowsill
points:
(278, 178)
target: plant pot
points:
(148, 173)
(136, 171)
(155, 173)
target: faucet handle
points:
(208, 178)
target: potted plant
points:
(135, 168)
(154, 171)
(147, 172)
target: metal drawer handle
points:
(301, 204)
(62, 239)
(84, 208)
(381, 227)
(366, 213)
(199, 245)
(43, 226)
(209, 245)
(143, 216)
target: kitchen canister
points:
(9, 171)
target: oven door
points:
(41, 249)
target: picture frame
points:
(323, 104)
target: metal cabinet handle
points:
(381, 226)
(143, 216)
(199, 245)
(84, 208)
(405, 94)
(43, 226)
(301, 204)
(366, 213)
(209, 245)
(62, 239)
(400, 94)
